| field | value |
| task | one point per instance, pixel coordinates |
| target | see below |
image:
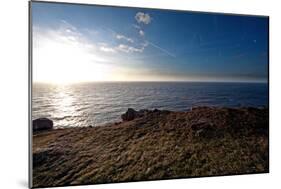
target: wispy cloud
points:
(74, 38)
(118, 36)
(67, 38)
(141, 32)
(128, 49)
(134, 47)
(136, 26)
(139, 29)
(68, 26)
(144, 18)
(105, 48)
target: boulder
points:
(129, 115)
(155, 110)
(41, 124)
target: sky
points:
(83, 43)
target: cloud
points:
(118, 36)
(72, 39)
(141, 32)
(136, 26)
(143, 18)
(67, 37)
(105, 48)
(68, 26)
(128, 49)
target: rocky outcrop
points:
(132, 114)
(129, 115)
(42, 124)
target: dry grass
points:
(160, 145)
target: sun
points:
(63, 62)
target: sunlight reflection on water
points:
(64, 105)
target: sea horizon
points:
(152, 81)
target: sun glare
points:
(62, 62)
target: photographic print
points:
(122, 94)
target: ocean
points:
(97, 103)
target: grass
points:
(160, 145)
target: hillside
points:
(154, 145)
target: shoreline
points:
(108, 123)
(152, 145)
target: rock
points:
(129, 115)
(156, 110)
(143, 112)
(41, 124)
(132, 114)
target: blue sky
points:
(135, 44)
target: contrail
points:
(163, 50)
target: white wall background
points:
(14, 88)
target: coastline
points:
(159, 144)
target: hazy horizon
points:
(162, 81)
(82, 43)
